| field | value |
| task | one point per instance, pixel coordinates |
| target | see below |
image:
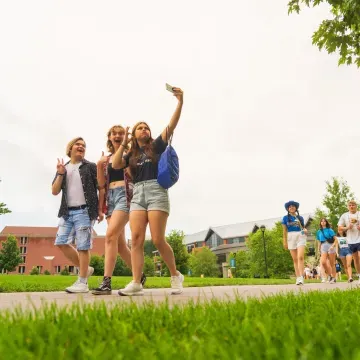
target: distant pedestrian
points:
(294, 238)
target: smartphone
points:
(169, 88)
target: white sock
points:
(83, 280)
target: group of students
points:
(345, 244)
(121, 187)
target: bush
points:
(120, 268)
(34, 271)
(47, 272)
(97, 262)
(65, 271)
(204, 262)
(149, 269)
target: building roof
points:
(45, 231)
(236, 230)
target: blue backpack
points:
(168, 166)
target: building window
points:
(23, 259)
(236, 240)
(57, 269)
(23, 250)
(214, 241)
(39, 268)
(23, 240)
(21, 269)
(71, 269)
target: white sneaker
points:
(78, 287)
(89, 272)
(297, 280)
(301, 280)
(323, 280)
(177, 284)
(132, 289)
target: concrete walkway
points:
(224, 293)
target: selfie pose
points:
(114, 203)
(150, 202)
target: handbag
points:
(168, 166)
(331, 240)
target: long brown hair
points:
(109, 144)
(136, 152)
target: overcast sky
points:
(266, 118)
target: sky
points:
(267, 117)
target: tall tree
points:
(175, 240)
(204, 262)
(278, 259)
(341, 33)
(10, 254)
(3, 209)
(338, 193)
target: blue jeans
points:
(75, 228)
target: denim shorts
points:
(325, 248)
(354, 248)
(295, 240)
(345, 252)
(75, 228)
(149, 195)
(116, 199)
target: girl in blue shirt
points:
(327, 247)
(294, 238)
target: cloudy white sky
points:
(266, 118)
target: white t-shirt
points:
(352, 235)
(342, 242)
(74, 189)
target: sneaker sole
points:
(76, 292)
(107, 292)
(177, 293)
(138, 293)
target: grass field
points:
(307, 326)
(27, 283)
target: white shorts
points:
(295, 240)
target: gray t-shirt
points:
(75, 192)
(352, 235)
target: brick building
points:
(37, 248)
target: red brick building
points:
(37, 248)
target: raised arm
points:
(118, 161)
(60, 172)
(178, 93)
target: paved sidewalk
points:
(225, 293)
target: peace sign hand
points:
(127, 137)
(60, 167)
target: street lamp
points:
(262, 228)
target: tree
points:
(204, 262)
(242, 267)
(149, 247)
(338, 193)
(97, 262)
(10, 254)
(341, 33)
(149, 268)
(3, 209)
(175, 240)
(120, 268)
(278, 259)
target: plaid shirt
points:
(89, 182)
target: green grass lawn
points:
(27, 283)
(313, 325)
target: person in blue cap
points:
(294, 238)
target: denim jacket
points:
(88, 175)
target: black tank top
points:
(115, 174)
